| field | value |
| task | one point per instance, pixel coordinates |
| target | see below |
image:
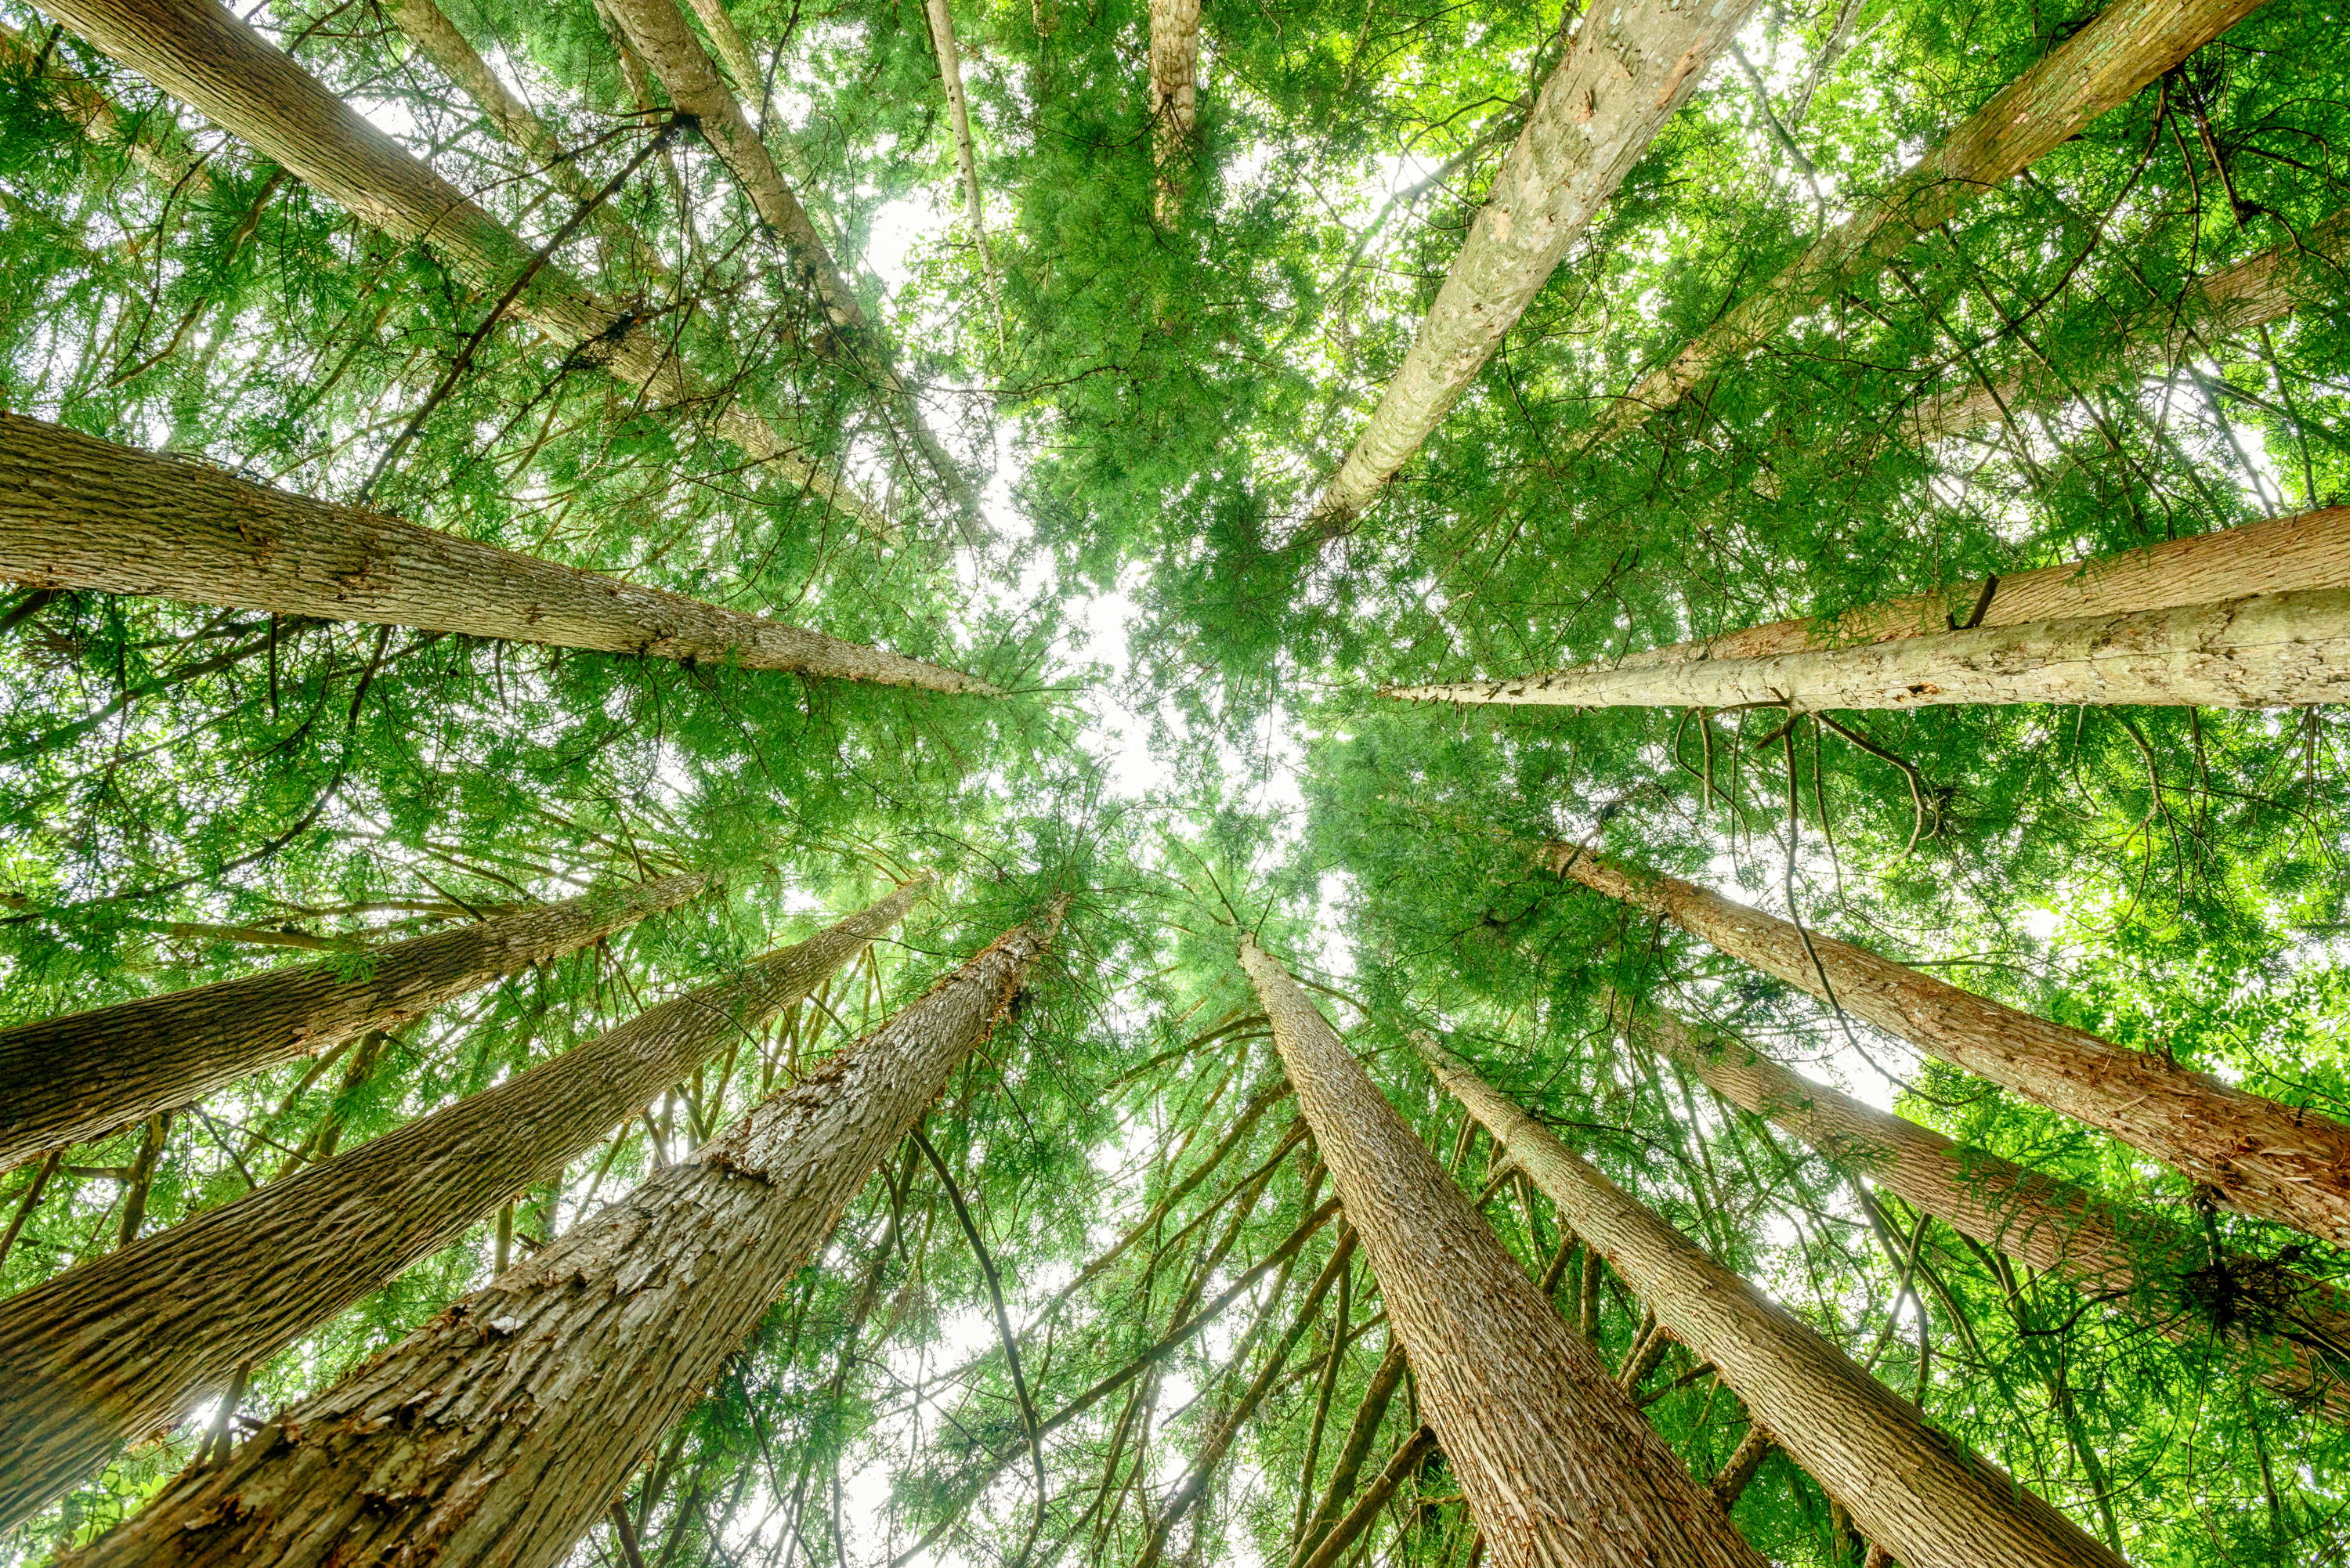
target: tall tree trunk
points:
(80, 512)
(2097, 69)
(202, 54)
(2275, 1161)
(2287, 1326)
(501, 1430)
(974, 202)
(2272, 650)
(1557, 1464)
(1630, 67)
(1174, 100)
(103, 1353)
(1907, 1484)
(83, 1076)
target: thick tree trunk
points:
(1557, 1464)
(2108, 1252)
(1174, 99)
(1908, 1485)
(80, 512)
(105, 1353)
(200, 54)
(2272, 650)
(67, 1080)
(1630, 67)
(2278, 1162)
(501, 1430)
(2097, 69)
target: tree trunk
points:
(2108, 1252)
(80, 512)
(106, 1353)
(2272, 650)
(67, 1080)
(1629, 68)
(1555, 1464)
(200, 53)
(975, 204)
(2274, 1161)
(501, 1430)
(2097, 69)
(1174, 99)
(152, 142)
(1907, 1484)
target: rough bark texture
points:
(1557, 1466)
(2272, 650)
(1174, 98)
(67, 1080)
(501, 1430)
(2272, 1317)
(200, 54)
(124, 1346)
(2273, 1160)
(1912, 1487)
(1630, 67)
(80, 512)
(2097, 69)
(2260, 289)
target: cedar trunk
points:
(67, 1080)
(501, 1431)
(1557, 1466)
(2276, 1161)
(120, 1346)
(1174, 98)
(2288, 650)
(2108, 1250)
(1912, 1487)
(80, 512)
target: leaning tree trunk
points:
(121, 1347)
(2277, 1162)
(1630, 67)
(1557, 1464)
(1174, 99)
(501, 1430)
(1908, 1486)
(67, 1080)
(2292, 1331)
(200, 53)
(80, 512)
(2272, 650)
(2097, 69)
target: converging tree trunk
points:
(1629, 68)
(67, 1080)
(123, 1346)
(80, 512)
(2096, 70)
(203, 55)
(501, 1430)
(1909, 1487)
(2290, 1330)
(1174, 99)
(1557, 1464)
(974, 201)
(2272, 650)
(2278, 1162)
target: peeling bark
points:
(1914, 1488)
(76, 512)
(2275, 1161)
(502, 1429)
(1557, 1464)
(121, 1347)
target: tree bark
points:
(1557, 1464)
(2098, 69)
(2277, 1162)
(2270, 650)
(975, 204)
(69, 1079)
(105, 1353)
(1914, 1488)
(2268, 1315)
(502, 1429)
(200, 53)
(1174, 99)
(1629, 69)
(80, 512)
